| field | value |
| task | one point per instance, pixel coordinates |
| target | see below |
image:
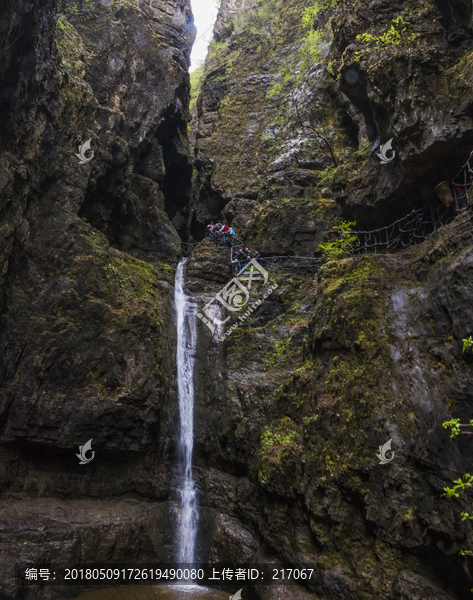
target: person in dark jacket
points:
(217, 229)
(236, 264)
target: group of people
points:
(243, 257)
(220, 231)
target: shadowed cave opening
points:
(109, 203)
(177, 181)
(420, 175)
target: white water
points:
(186, 341)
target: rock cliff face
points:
(276, 91)
(87, 256)
(299, 399)
(301, 396)
(292, 407)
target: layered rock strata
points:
(87, 257)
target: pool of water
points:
(154, 592)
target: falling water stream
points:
(186, 341)
(185, 311)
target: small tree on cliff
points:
(345, 244)
(297, 92)
(307, 121)
(465, 482)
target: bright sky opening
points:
(205, 13)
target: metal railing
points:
(411, 229)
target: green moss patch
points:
(279, 454)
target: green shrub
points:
(467, 343)
(343, 246)
(325, 175)
(311, 12)
(459, 485)
(392, 37)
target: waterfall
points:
(186, 342)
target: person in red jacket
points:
(225, 229)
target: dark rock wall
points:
(415, 91)
(249, 157)
(292, 409)
(252, 151)
(87, 261)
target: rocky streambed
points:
(154, 593)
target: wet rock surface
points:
(260, 127)
(87, 261)
(292, 407)
(68, 532)
(327, 371)
(287, 435)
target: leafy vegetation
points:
(455, 425)
(311, 50)
(343, 246)
(280, 450)
(332, 68)
(279, 351)
(459, 485)
(196, 78)
(393, 37)
(318, 7)
(298, 68)
(467, 343)
(222, 55)
(70, 47)
(282, 435)
(325, 175)
(261, 16)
